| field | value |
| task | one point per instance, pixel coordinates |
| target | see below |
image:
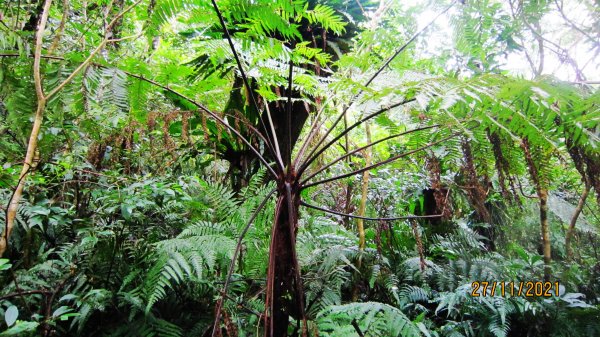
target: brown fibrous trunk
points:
(284, 297)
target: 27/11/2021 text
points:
(520, 288)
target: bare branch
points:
(560, 7)
(407, 43)
(29, 292)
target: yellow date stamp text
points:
(512, 288)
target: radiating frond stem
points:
(370, 167)
(275, 140)
(213, 115)
(348, 129)
(316, 125)
(354, 97)
(407, 43)
(249, 126)
(289, 117)
(303, 203)
(243, 74)
(238, 248)
(363, 148)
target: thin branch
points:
(238, 248)
(573, 222)
(135, 36)
(303, 203)
(241, 69)
(21, 293)
(42, 56)
(521, 189)
(407, 43)
(61, 27)
(365, 147)
(565, 54)
(389, 60)
(572, 24)
(243, 306)
(5, 25)
(366, 168)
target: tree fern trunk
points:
(284, 296)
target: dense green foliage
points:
(136, 199)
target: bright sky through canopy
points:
(565, 47)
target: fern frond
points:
(373, 318)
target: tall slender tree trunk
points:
(28, 164)
(542, 193)
(360, 225)
(365, 191)
(348, 201)
(415, 229)
(578, 209)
